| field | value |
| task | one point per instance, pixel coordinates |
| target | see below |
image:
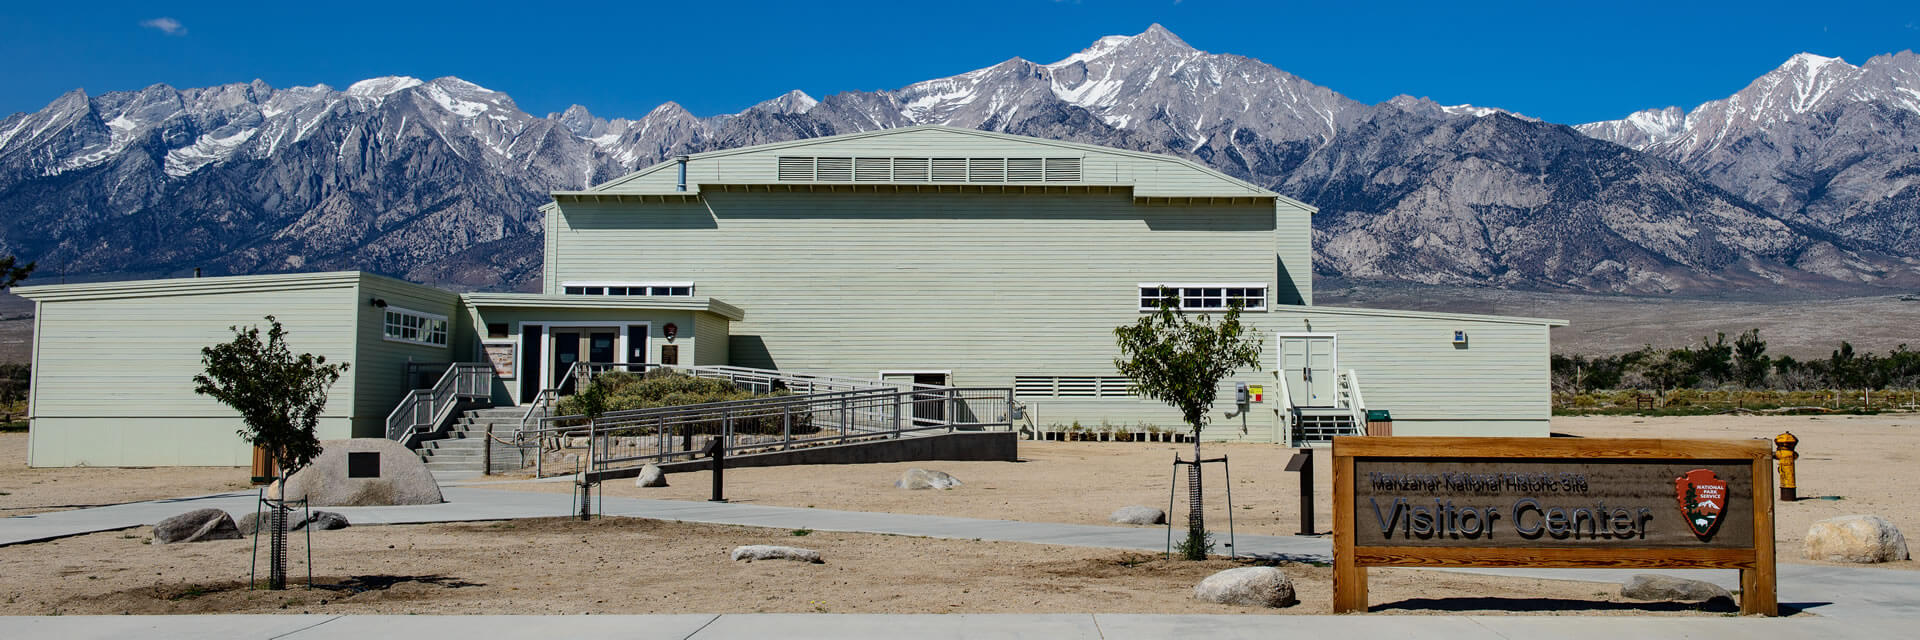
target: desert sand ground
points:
(25, 490)
(1848, 465)
(621, 565)
(616, 565)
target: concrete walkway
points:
(1824, 590)
(939, 627)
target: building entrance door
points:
(929, 409)
(571, 345)
(1310, 364)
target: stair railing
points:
(1355, 403)
(542, 404)
(1287, 412)
(425, 410)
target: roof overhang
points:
(117, 289)
(1425, 315)
(598, 197)
(577, 303)
(569, 197)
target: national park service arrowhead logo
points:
(1703, 496)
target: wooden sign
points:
(1558, 502)
(501, 355)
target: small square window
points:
(496, 329)
(616, 291)
(574, 291)
(596, 291)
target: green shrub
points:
(628, 391)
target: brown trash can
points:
(263, 468)
(1379, 422)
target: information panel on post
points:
(1553, 502)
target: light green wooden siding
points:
(1149, 175)
(380, 364)
(550, 244)
(712, 333)
(114, 376)
(1407, 364)
(1293, 241)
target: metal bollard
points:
(1784, 454)
(717, 452)
(1303, 463)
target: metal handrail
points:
(838, 416)
(859, 411)
(1287, 417)
(582, 373)
(766, 379)
(1356, 404)
(422, 408)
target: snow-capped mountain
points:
(438, 180)
(1817, 141)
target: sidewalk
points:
(936, 627)
(1822, 590)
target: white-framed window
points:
(1074, 387)
(417, 327)
(1203, 297)
(674, 289)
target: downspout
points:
(682, 185)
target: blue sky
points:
(1563, 64)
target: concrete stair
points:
(462, 447)
(1321, 424)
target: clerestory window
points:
(1204, 297)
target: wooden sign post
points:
(1552, 502)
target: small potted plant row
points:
(1111, 433)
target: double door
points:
(1310, 363)
(570, 345)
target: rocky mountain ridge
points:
(1816, 141)
(438, 180)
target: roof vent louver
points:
(1024, 170)
(986, 170)
(949, 169)
(1063, 169)
(921, 170)
(796, 169)
(833, 169)
(910, 170)
(873, 169)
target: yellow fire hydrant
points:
(1784, 454)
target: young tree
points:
(279, 397)
(1180, 359)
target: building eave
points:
(635, 303)
(117, 289)
(1428, 315)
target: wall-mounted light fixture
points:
(378, 302)
(671, 331)
(1459, 337)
